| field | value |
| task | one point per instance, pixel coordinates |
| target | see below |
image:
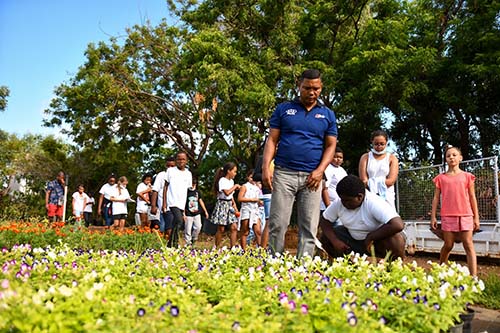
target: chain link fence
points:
(414, 193)
(415, 189)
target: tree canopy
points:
(4, 93)
(424, 70)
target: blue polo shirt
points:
(302, 134)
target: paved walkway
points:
(485, 320)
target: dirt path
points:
(485, 267)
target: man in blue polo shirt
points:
(302, 141)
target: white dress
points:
(250, 210)
(378, 170)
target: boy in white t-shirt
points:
(334, 173)
(177, 182)
(367, 220)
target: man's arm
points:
(101, 198)
(164, 202)
(387, 230)
(47, 195)
(154, 200)
(269, 152)
(316, 176)
(327, 228)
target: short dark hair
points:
(350, 186)
(338, 150)
(379, 133)
(170, 159)
(146, 175)
(310, 74)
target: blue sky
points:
(42, 44)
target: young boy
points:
(192, 212)
(367, 220)
(334, 173)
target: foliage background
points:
(427, 71)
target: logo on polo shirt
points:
(319, 116)
(291, 112)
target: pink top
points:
(455, 193)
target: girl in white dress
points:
(378, 169)
(250, 214)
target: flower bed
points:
(62, 288)
(40, 234)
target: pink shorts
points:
(457, 223)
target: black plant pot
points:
(466, 318)
(457, 328)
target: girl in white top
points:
(120, 197)
(250, 215)
(225, 211)
(143, 199)
(79, 203)
(378, 169)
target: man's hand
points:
(369, 245)
(340, 246)
(267, 178)
(434, 223)
(153, 210)
(314, 180)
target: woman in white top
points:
(250, 214)
(79, 203)
(225, 210)
(378, 169)
(120, 197)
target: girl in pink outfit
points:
(459, 213)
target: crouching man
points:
(366, 220)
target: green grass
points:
(491, 294)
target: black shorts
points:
(120, 217)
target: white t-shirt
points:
(106, 189)
(79, 201)
(178, 183)
(141, 188)
(225, 184)
(338, 174)
(158, 186)
(120, 207)
(333, 175)
(90, 203)
(373, 213)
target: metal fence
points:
(414, 193)
(415, 189)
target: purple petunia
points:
(174, 311)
